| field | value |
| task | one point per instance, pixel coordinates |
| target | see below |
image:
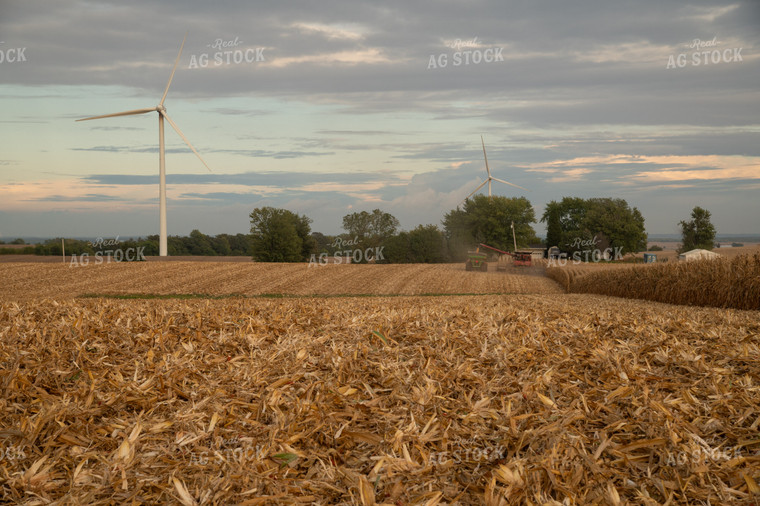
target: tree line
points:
(197, 243)
(280, 235)
(501, 222)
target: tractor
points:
(476, 261)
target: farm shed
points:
(535, 253)
(697, 254)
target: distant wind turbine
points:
(161, 110)
(490, 177)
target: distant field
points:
(671, 254)
(35, 280)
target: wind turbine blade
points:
(484, 155)
(176, 129)
(475, 190)
(507, 182)
(125, 113)
(176, 62)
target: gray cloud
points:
(273, 179)
(579, 79)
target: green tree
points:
(221, 245)
(151, 246)
(199, 244)
(370, 230)
(303, 229)
(323, 243)
(176, 246)
(73, 247)
(427, 244)
(279, 235)
(240, 244)
(552, 216)
(576, 224)
(566, 223)
(488, 220)
(396, 249)
(424, 244)
(698, 232)
(615, 224)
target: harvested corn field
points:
(25, 280)
(720, 282)
(566, 399)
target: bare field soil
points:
(525, 399)
(32, 280)
(197, 258)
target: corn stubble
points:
(729, 283)
(529, 399)
(35, 280)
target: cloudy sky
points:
(331, 107)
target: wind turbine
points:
(161, 110)
(490, 177)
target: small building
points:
(697, 254)
(536, 252)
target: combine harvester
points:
(477, 260)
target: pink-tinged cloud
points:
(340, 31)
(703, 168)
(570, 175)
(677, 168)
(364, 56)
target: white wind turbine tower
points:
(161, 110)
(490, 177)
